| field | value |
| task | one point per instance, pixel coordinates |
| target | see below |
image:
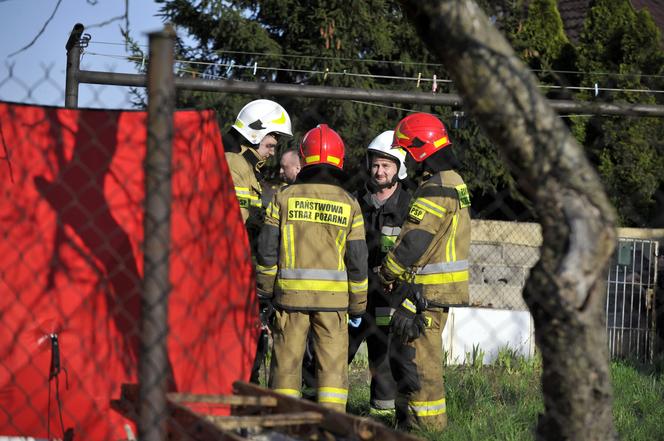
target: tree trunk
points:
(566, 289)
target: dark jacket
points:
(382, 226)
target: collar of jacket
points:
(251, 155)
(321, 174)
(392, 203)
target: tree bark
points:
(565, 291)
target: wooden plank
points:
(183, 423)
(342, 424)
(231, 400)
(274, 420)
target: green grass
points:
(502, 401)
(638, 398)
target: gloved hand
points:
(355, 322)
(386, 279)
(265, 311)
(408, 321)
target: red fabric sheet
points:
(71, 220)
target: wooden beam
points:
(342, 424)
(291, 419)
(231, 400)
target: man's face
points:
(383, 171)
(289, 167)
(267, 147)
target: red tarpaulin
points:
(71, 219)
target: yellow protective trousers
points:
(420, 388)
(330, 340)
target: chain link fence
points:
(78, 261)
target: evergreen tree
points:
(352, 44)
(298, 42)
(629, 152)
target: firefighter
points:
(290, 165)
(431, 254)
(312, 265)
(257, 129)
(384, 203)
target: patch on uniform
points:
(387, 243)
(464, 196)
(322, 211)
(244, 202)
(415, 214)
(428, 321)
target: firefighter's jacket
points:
(435, 240)
(312, 253)
(244, 168)
(382, 225)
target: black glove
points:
(266, 311)
(408, 321)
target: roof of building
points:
(573, 13)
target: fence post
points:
(73, 47)
(154, 369)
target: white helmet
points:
(382, 144)
(261, 117)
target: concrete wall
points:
(502, 253)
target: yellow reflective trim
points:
(333, 159)
(442, 278)
(313, 285)
(239, 123)
(336, 390)
(290, 392)
(334, 400)
(289, 246)
(359, 286)
(341, 243)
(280, 120)
(430, 207)
(450, 247)
(393, 266)
(312, 158)
(428, 408)
(320, 211)
(423, 208)
(332, 395)
(409, 306)
(269, 270)
(241, 189)
(440, 142)
(358, 221)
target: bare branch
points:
(39, 34)
(107, 22)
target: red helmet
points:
(322, 145)
(422, 134)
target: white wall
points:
(489, 329)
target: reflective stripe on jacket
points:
(435, 240)
(312, 253)
(247, 188)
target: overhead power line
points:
(255, 67)
(418, 63)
